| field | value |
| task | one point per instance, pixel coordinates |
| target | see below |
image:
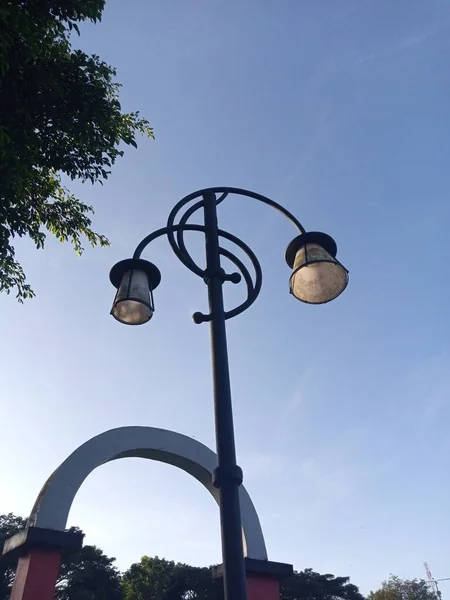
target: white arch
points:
(52, 506)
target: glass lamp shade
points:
(317, 277)
(133, 304)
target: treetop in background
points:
(403, 589)
(88, 574)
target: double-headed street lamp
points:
(317, 277)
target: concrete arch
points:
(52, 506)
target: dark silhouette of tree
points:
(309, 585)
(89, 574)
(159, 579)
(9, 525)
(403, 589)
(59, 114)
(86, 574)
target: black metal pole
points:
(227, 476)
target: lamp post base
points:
(263, 578)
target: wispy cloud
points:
(320, 113)
(297, 400)
(428, 386)
(329, 479)
(261, 464)
(375, 204)
(415, 40)
(407, 43)
(365, 58)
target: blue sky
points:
(340, 111)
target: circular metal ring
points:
(175, 235)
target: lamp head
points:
(135, 280)
(317, 276)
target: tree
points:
(309, 585)
(59, 115)
(9, 525)
(160, 579)
(86, 574)
(89, 574)
(403, 589)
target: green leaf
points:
(65, 118)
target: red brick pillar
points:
(260, 587)
(263, 578)
(36, 575)
(39, 556)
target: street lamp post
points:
(317, 277)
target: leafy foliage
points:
(89, 574)
(59, 114)
(403, 589)
(9, 525)
(86, 574)
(308, 585)
(160, 579)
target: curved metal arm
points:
(155, 235)
(175, 235)
(240, 192)
(253, 288)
